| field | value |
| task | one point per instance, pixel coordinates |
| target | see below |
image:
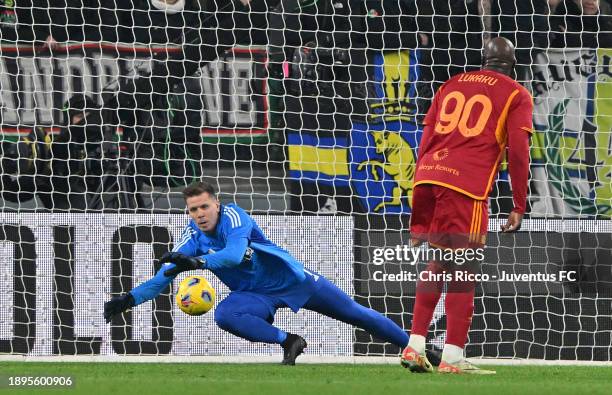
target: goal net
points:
(308, 114)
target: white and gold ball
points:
(195, 295)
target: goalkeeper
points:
(262, 278)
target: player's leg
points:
(459, 301)
(465, 227)
(250, 316)
(427, 293)
(427, 296)
(331, 301)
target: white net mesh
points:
(108, 109)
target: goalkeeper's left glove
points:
(118, 305)
(182, 263)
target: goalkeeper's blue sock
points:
(333, 302)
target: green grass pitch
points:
(230, 379)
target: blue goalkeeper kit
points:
(263, 277)
(242, 257)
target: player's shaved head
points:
(499, 55)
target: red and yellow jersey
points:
(467, 128)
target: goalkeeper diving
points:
(262, 278)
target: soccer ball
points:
(195, 295)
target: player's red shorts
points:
(447, 218)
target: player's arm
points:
(519, 127)
(236, 227)
(236, 230)
(230, 256)
(153, 287)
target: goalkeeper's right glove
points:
(182, 263)
(118, 305)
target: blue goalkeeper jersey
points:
(243, 258)
(240, 255)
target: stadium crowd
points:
(442, 24)
(449, 35)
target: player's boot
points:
(462, 367)
(415, 362)
(293, 346)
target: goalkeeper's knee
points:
(225, 319)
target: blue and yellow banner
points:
(376, 159)
(323, 160)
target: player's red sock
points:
(459, 305)
(427, 297)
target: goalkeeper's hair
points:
(198, 188)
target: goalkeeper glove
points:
(118, 305)
(182, 263)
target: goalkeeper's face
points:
(204, 210)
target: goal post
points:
(316, 134)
